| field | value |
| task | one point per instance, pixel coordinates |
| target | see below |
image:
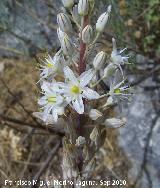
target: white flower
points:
(119, 91)
(94, 114)
(116, 56)
(74, 90)
(51, 66)
(50, 102)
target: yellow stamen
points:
(52, 99)
(75, 89)
(49, 65)
(117, 91)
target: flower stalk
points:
(72, 79)
(82, 63)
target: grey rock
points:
(133, 138)
(22, 32)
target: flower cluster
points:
(69, 79)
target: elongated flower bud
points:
(60, 34)
(99, 60)
(109, 70)
(83, 7)
(102, 20)
(66, 44)
(68, 3)
(114, 122)
(87, 34)
(94, 135)
(75, 14)
(94, 114)
(64, 22)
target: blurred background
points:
(27, 32)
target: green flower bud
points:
(99, 60)
(94, 114)
(109, 70)
(94, 134)
(68, 3)
(83, 7)
(66, 43)
(64, 22)
(102, 20)
(75, 14)
(87, 34)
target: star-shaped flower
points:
(116, 56)
(51, 103)
(75, 89)
(51, 66)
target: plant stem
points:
(82, 63)
(81, 69)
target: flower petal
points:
(42, 101)
(86, 77)
(59, 87)
(59, 100)
(55, 114)
(46, 87)
(90, 94)
(46, 112)
(78, 105)
(70, 75)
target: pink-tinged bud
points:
(83, 7)
(99, 60)
(87, 34)
(94, 114)
(64, 22)
(102, 20)
(68, 3)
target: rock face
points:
(141, 137)
(25, 28)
